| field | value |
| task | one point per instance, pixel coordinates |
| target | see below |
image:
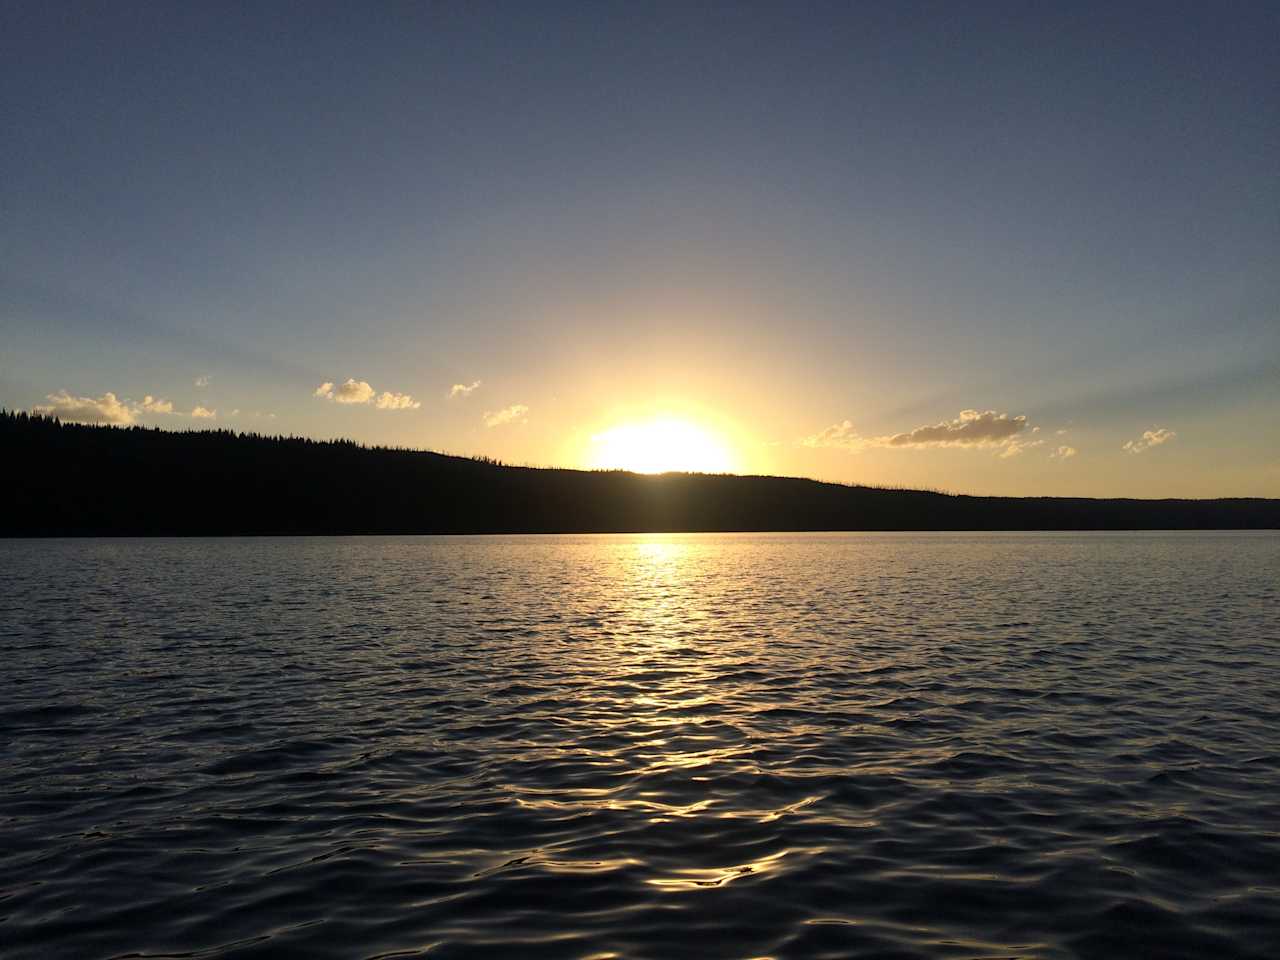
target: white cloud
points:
(397, 401)
(352, 391)
(109, 408)
(1150, 438)
(155, 405)
(463, 390)
(970, 429)
(358, 391)
(105, 409)
(516, 413)
(203, 380)
(1063, 453)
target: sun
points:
(660, 445)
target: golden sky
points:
(1031, 252)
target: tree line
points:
(65, 479)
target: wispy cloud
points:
(1014, 447)
(201, 413)
(255, 414)
(516, 413)
(354, 391)
(104, 409)
(974, 429)
(1063, 452)
(841, 435)
(204, 380)
(1150, 438)
(463, 390)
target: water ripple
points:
(890, 746)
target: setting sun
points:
(660, 446)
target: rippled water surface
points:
(642, 746)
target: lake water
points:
(708, 746)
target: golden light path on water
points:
(660, 626)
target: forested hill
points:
(70, 479)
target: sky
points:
(1021, 248)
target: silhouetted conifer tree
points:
(74, 479)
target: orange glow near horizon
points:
(661, 445)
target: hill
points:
(71, 479)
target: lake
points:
(649, 746)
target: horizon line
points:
(488, 460)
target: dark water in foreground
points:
(650, 747)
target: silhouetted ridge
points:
(71, 479)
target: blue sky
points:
(812, 229)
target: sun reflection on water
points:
(668, 690)
(702, 878)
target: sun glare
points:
(660, 446)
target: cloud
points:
(970, 429)
(203, 380)
(516, 413)
(1063, 452)
(1014, 447)
(396, 401)
(105, 409)
(352, 391)
(1150, 438)
(840, 435)
(358, 391)
(463, 390)
(155, 405)
(109, 408)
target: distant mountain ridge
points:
(77, 480)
